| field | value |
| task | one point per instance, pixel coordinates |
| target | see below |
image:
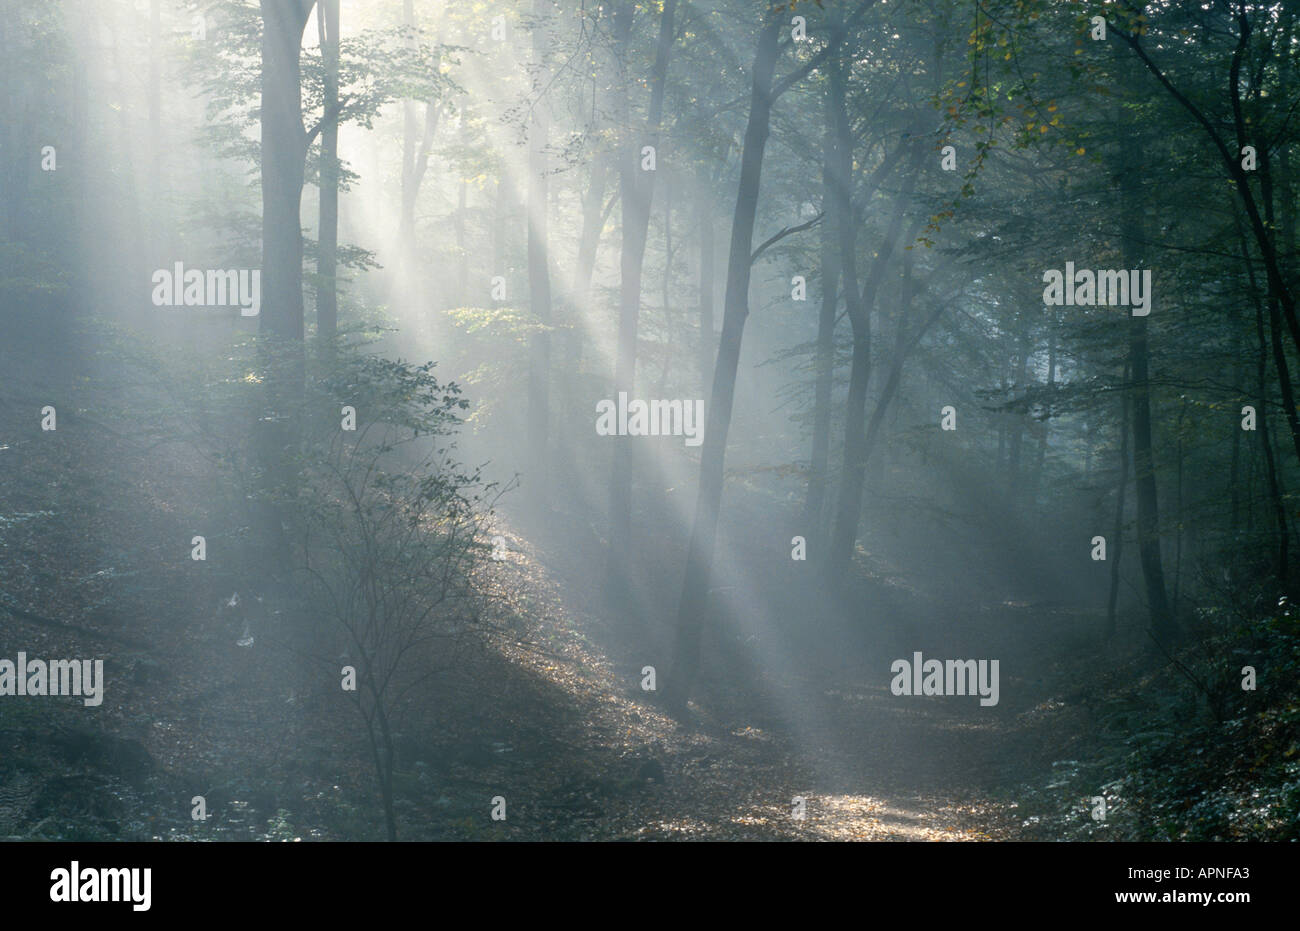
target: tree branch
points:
(837, 38)
(788, 231)
(331, 114)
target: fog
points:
(649, 419)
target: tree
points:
(389, 534)
(327, 303)
(284, 154)
(539, 273)
(693, 605)
(636, 188)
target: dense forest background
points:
(314, 313)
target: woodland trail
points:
(869, 765)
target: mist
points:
(559, 420)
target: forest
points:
(612, 420)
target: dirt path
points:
(866, 766)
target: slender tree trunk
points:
(406, 216)
(904, 343)
(848, 510)
(594, 217)
(1279, 351)
(693, 606)
(1270, 467)
(500, 208)
(1017, 425)
(155, 106)
(1036, 479)
(1240, 393)
(327, 306)
(415, 163)
(1261, 412)
(462, 248)
(707, 276)
(593, 224)
(1163, 624)
(539, 278)
(1178, 507)
(284, 151)
(833, 201)
(636, 190)
(384, 763)
(1287, 200)
(1117, 537)
(1148, 524)
(662, 387)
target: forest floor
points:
(822, 727)
(545, 710)
(563, 732)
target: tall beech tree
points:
(284, 154)
(539, 273)
(764, 92)
(636, 190)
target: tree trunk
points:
(1261, 412)
(1036, 480)
(848, 509)
(327, 306)
(1279, 351)
(462, 249)
(903, 346)
(539, 278)
(593, 224)
(904, 343)
(636, 190)
(415, 163)
(500, 207)
(662, 388)
(284, 151)
(1163, 624)
(693, 605)
(707, 276)
(1117, 538)
(1017, 425)
(1286, 181)
(833, 201)
(155, 107)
